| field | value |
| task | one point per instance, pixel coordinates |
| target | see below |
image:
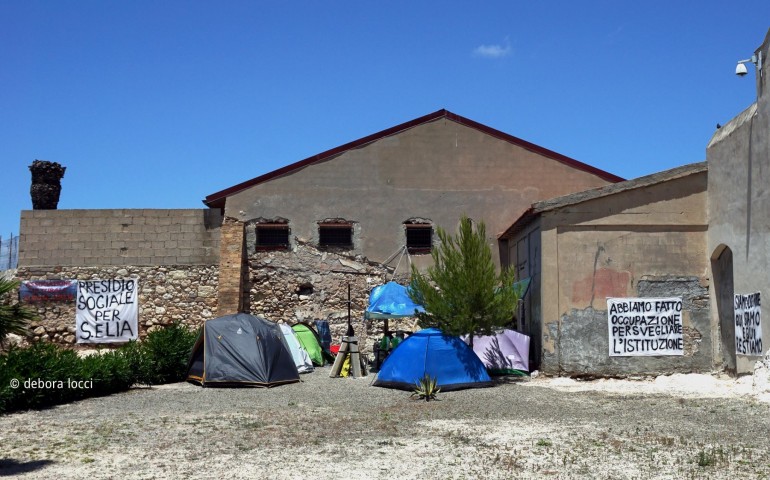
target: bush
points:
(110, 372)
(136, 356)
(166, 353)
(49, 375)
(42, 373)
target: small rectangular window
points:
(335, 235)
(419, 238)
(272, 236)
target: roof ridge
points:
(604, 191)
(217, 199)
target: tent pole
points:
(350, 332)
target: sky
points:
(158, 104)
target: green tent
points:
(310, 341)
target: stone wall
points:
(175, 293)
(306, 284)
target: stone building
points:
(289, 244)
(369, 198)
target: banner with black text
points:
(645, 326)
(748, 324)
(107, 311)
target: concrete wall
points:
(436, 171)
(642, 242)
(739, 204)
(119, 237)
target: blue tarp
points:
(446, 358)
(391, 300)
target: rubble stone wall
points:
(169, 293)
(306, 284)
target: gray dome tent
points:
(241, 350)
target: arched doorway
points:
(724, 292)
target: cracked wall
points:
(640, 242)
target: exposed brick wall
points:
(231, 267)
(119, 237)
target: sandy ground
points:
(680, 426)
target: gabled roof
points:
(574, 198)
(217, 200)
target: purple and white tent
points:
(506, 353)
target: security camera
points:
(741, 70)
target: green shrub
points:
(43, 372)
(136, 356)
(109, 372)
(49, 375)
(166, 353)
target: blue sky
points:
(158, 104)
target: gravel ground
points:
(344, 428)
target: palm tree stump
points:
(46, 184)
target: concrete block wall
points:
(119, 237)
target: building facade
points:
(640, 238)
(388, 191)
(697, 232)
(739, 215)
(290, 244)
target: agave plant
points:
(426, 388)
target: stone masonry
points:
(306, 284)
(180, 293)
(174, 254)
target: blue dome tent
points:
(429, 352)
(390, 300)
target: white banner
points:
(645, 326)
(107, 311)
(748, 324)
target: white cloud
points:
(493, 51)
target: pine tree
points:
(462, 293)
